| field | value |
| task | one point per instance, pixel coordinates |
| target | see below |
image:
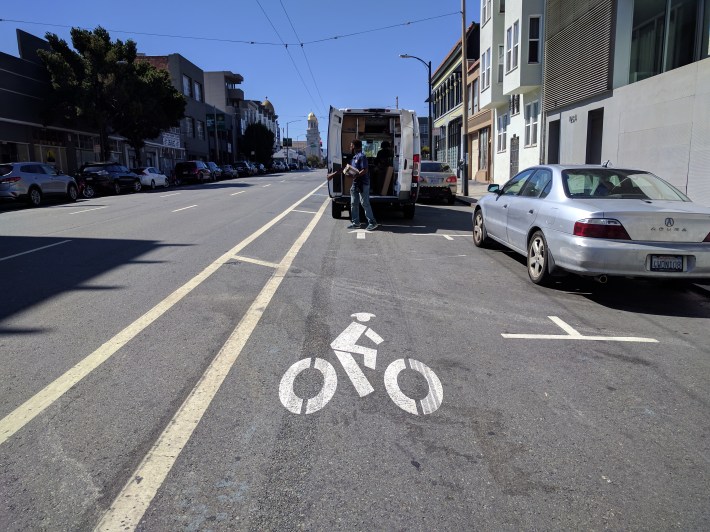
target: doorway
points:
(553, 143)
(595, 130)
(514, 155)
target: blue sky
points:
(362, 70)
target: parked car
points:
(110, 177)
(242, 168)
(260, 169)
(228, 171)
(437, 181)
(596, 221)
(152, 177)
(277, 166)
(252, 168)
(32, 182)
(216, 171)
(192, 171)
(292, 166)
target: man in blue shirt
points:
(360, 191)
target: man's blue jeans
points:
(356, 198)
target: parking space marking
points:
(190, 207)
(573, 334)
(33, 250)
(256, 261)
(168, 195)
(87, 210)
(240, 192)
(446, 236)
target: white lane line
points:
(136, 496)
(33, 250)
(572, 334)
(242, 258)
(168, 195)
(266, 185)
(306, 212)
(39, 402)
(190, 207)
(447, 237)
(240, 192)
(87, 210)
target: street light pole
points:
(287, 153)
(430, 125)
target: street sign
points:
(287, 142)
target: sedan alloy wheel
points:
(537, 258)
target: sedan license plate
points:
(666, 263)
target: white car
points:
(151, 177)
(596, 221)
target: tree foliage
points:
(100, 82)
(260, 140)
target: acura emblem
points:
(669, 222)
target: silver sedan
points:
(596, 221)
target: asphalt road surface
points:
(228, 356)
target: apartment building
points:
(511, 81)
(629, 82)
(479, 128)
(222, 92)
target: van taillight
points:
(415, 168)
(11, 179)
(601, 228)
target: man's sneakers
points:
(354, 226)
(371, 227)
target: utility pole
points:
(464, 81)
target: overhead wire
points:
(305, 56)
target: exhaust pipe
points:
(601, 279)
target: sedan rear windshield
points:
(435, 167)
(617, 184)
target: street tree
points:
(259, 140)
(100, 83)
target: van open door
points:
(406, 153)
(335, 151)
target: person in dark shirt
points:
(360, 191)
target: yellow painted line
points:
(33, 250)
(190, 207)
(129, 506)
(256, 261)
(39, 402)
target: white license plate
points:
(666, 263)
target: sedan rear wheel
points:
(538, 254)
(137, 185)
(117, 187)
(480, 235)
(72, 192)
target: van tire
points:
(408, 211)
(336, 210)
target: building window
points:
(501, 6)
(502, 130)
(531, 112)
(534, 40)
(485, 11)
(514, 104)
(668, 34)
(198, 91)
(200, 129)
(512, 44)
(186, 86)
(486, 69)
(189, 127)
(501, 58)
(483, 149)
(476, 96)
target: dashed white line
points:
(87, 210)
(168, 195)
(240, 192)
(33, 250)
(190, 207)
(266, 185)
(305, 212)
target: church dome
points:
(266, 103)
(311, 116)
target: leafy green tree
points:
(260, 140)
(100, 82)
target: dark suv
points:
(112, 177)
(216, 171)
(242, 169)
(192, 171)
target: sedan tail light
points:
(600, 228)
(451, 179)
(11, 179)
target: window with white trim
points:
(534, 39)
(531, 112)
(485, 11)
(486, 69)
(508, 48)
(502, 130)
(501, 58)
(512, 46)
(516, 42)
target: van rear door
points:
(335, 151)
(406, 153)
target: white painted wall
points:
(660, 124)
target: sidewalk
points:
(477, 189)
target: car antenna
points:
(607, 163)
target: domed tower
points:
(313, 144)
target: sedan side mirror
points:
(494, 188)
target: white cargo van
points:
(394, 179)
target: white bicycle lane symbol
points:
(344, 346)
